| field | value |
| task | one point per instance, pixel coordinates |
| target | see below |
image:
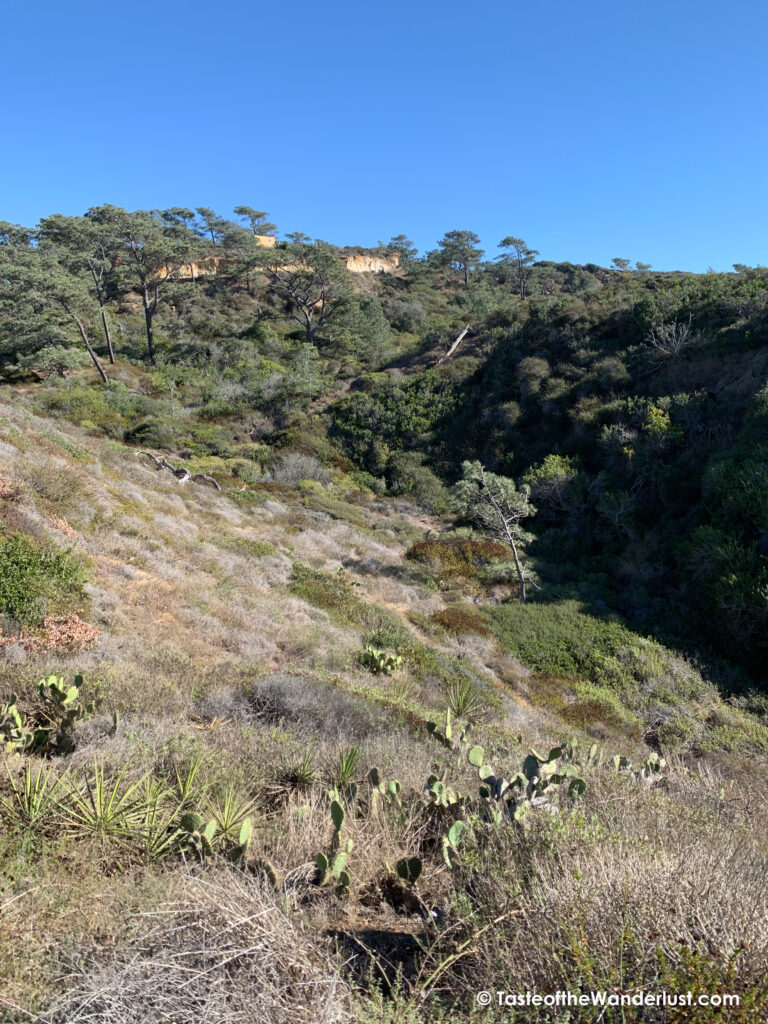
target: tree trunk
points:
(84, 336)
(148, 314)
(518, 567)
(508, 534)
(100, 299)
(107, 335)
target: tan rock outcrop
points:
(361, 263)
(356, 263)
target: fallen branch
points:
(181, 474)
(455, 345)
(208, 479)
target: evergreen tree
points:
(498, 507)
(39, 295)
(311, 282)
(459, 250)
(520, 257)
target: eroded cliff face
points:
(361, 263)
(191, 271)
(356, 263)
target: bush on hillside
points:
(407, 475)
(563, 639)
(458, 559)
(296, 467)
(37, 581)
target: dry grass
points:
(208, 653)
(222, 952)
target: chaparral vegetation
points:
(377, 628)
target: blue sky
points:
(592, 130)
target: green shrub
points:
(460, 620)
(562, 639)
(407, 475)
(457, 560)
(37, 581)
(153, 433)
(336, 594)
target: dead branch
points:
(455, 345)
(182, 474)
(208, 479)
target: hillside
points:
(306, 691)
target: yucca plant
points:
(184, 781)
(159, 824)
(464, 699)
(346, 767)
(402, 692)
(35, 799)
(231, 812)
(301, 774)
(104, 807)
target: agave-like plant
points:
(230, 812)
(301, 774)
(464, 699)
(107, 808)
(184, 780)
(346, 767)
(159, 826)
(35, 799)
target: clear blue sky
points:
(590, 129)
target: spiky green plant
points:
(184, 781)
(464, 699)
(303, 773)
(158, 827)
(402, 692)
(35, 799)
(231, 811)
(347, 765)
(109, 808)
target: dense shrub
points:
(394, 416)
(407, 475)
(295, 467)
(37, 581)
(458, 558)
(563, 639)
(312, 707)
(460, 620)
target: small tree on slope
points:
(496, 505)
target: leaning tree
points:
(498, 508)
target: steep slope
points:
(231, 682)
